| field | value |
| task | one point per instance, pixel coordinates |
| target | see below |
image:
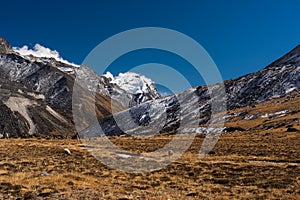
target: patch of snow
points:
(282, 115)
(278, 114)
(41, 52)
(203, 130)
(266, 115)
(61, 90)
(290, 89)
(281, 112)
(225, 117)
(237, 114)
(66, 69)
(44, 174)
(251, 117)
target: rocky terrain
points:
(256, 155)
(194, 107)
(36, 98)
(36, 94)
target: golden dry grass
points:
(251, 164)
(228, 173)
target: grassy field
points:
(244, 165)
(261, 162)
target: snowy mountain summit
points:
(40, 51)
(140, 86)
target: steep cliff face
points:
(25, 113)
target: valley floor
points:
(243, 165)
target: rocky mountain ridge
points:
(36, 98)
(276, 80)
(46, 85)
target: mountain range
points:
(36, 98)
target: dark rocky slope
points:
(167, 114)
(36, 95)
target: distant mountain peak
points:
(141, 87)
(133, 83)
(39, 51)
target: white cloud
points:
(41, 51)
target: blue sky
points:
(241, 36)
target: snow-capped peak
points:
(132, 83)
(40, 51)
